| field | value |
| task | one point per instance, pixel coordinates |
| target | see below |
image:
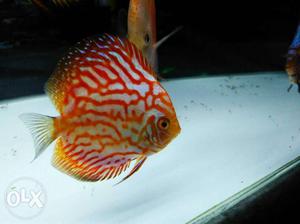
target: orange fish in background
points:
(142, 29)
(112, 111)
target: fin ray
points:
(55, 88)
(139, 162)
(42, 130)
(162, 40)
(74, 168)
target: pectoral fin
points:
(162, 40)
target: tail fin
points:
(42, 130)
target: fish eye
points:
(163, 123)
(147, 38)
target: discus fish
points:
(141, 27)
(293, 61)
(112, 111)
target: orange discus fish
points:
(112, 111)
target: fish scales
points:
(90, 81)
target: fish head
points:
(167, 128)
(161, 125)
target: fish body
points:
(293, 60)
(112, 110)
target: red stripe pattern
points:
(109, 102)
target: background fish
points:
(112, 111)
(293, 60)
(142, 29)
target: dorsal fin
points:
(88, 53)
(55, 89)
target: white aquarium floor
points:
(235, 130)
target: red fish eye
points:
(163, 123)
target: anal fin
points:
(139, 162)
(83, 171)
